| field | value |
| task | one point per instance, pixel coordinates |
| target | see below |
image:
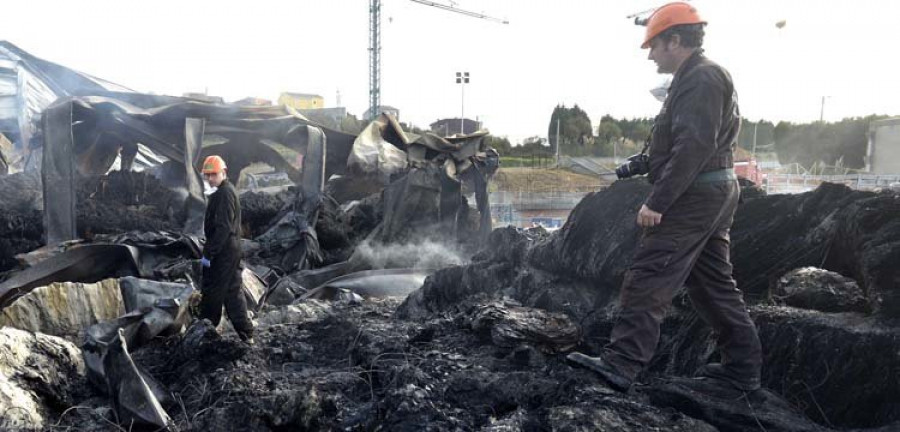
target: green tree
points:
(501, 144)
(609, 134)
(575, 132)
(824, 143)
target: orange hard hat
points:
(670, 15)
(213, 164)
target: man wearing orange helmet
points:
(687, 216)
(222, 253)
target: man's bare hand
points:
(647, 218)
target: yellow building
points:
(301, 100)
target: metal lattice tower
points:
(374, 57)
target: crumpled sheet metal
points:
(85, 263)
(380, 149)
(371, 284)
(132, 391)
(73, 128)
(154, 308)
(294, 235)
(148, 255)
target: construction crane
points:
(375, 45)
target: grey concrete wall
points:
(884, 151)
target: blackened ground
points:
(354, 367)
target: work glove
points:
(205, 262)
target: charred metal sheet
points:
(294, 235)
(58, 174)
(195, 205)
(98, 126)
(372, 284)
(87, 263)
(133, 398)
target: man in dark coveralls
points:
(687, 216)
(222, 253)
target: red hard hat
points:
(213, 164)
(670, 15)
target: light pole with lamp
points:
(462, 78)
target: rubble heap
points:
(811, 357)
(481, 346)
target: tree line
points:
(842, 143)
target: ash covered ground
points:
(481, 345)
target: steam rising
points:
(424, 254)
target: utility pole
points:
(557, 141)
(374, 57)
(822, 110)
(463, 79)
(755, 128)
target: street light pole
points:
(463, 79)
(822, 110)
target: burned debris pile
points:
(125, 201)
(811, 337)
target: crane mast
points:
(375, 45)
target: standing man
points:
(222, 253)
(687, 216)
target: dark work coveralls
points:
(690, 158)
(222, 280)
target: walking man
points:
(687, 216)
(222, 253)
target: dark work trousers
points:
(222, 285)
(689, 247)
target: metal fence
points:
(797, 183)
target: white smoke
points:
(424, 254)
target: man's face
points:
(661, 52)
(215, 179)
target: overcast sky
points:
(581, 52)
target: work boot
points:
(721, 372)
(247, 339)
(608, 372)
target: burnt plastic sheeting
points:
(294, 235)
(196, 202)
(163, 254)
(411, 207)
(133, 398)
(87, 263)
(58, 173)
(167, 300)
(99, 336)
(372, 284)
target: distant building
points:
(387, 109)
(203, 97)
(883, 153)
(329, 117)
(301, 101)
(447, 127)
(252, 101)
